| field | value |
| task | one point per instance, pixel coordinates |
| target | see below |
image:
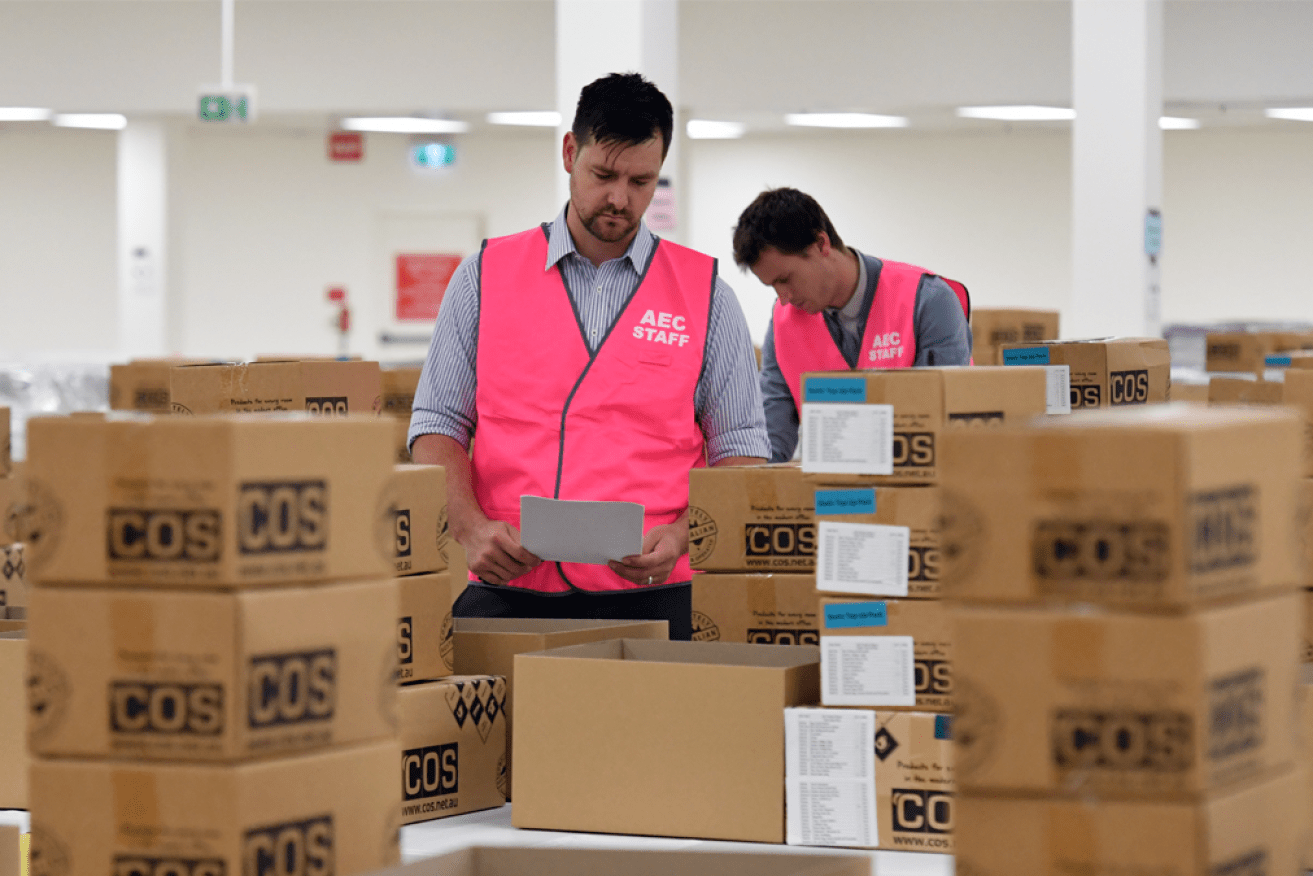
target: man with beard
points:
(592, 361)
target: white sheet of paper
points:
(868, 671)
(829, 777)
(865, 558)
(565, 531)
(847, 438)
(1058, 379)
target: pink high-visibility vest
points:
(555, 421)
(803, 341)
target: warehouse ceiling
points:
(750, 60)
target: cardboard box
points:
(1305, 519)
(143, 384)
(992, 327)
(635, 736)
(1248, 351)
(1305, 699)
(417, 503)
(13, 577)
(756, 609)
(1254, 829)
(426, 641)
(756, 518)
(1119, 705)
(323, 387)
(901, 799)
(892, 653)
(453, 746)
(863, 534)
(399, 385)
(12, 851)
(14, 507)
(1290, 359)
(1307, 650)
(487, 646)
(1105, 372)
(927, 404)
(1295, 391)
(13, 720)
(6, 449)
(1188, 392)
(176, 675)
(206, 501)
(401, 442)
(332, 812)
(545, 861)
(1165, 506)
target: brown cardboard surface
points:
(1307, 649)
(931, 402)
(1119, 705)
(487, 646)
(11, 850)
(209, 502)
(918, 508)
(638, 736)
(1188, 392)
(6, 450)
(760, 609)
(751, 518)
(992, 327)
(425, 637)
(540, 861)
(399, 385)
(332, 812)
(1305, 700)
(453, 746)
(177, 675)
(1108, 372)
(1165, 505)
(927, 621)
(323, 387)
(1295, 391)
(13, 503)
(13, 577)
(1305, 520)
(1246, 351)
(143, 384)
(13, 722)
(1253, 829)
(417, 504)
(401, 443)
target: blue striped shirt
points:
(727, 401)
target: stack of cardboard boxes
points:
(1104, 372)
(399, 385)
(853, 535)
(13, 568)
(1239, 352)
(1126, 631)
(992, 327)
(213, 649)
(453, 728)
(13, 640)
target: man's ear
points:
(823, 246)
(569, 151)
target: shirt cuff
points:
(428, 423)
(747, 441)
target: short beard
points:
(595, 227)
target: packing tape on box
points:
(1077, 648)
(136, 802)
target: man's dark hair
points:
(623, 108)
(786, 219)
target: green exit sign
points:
(232, 106)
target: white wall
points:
(262, 223)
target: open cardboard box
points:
(481, 861)
(636, 736)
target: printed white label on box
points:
(1058, 394)
(848, 439)
(868, 671)
(829, 772)
(865, 558)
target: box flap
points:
(709, 653)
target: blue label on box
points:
(1026, 356)
(834, 389)
(845, 502)
(1277, 361)
(943, 726)
(856, 614)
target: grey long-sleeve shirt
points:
(943, 337)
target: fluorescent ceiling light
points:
(1018, 113)
(1293, 113)
(405, 125)
(845, 120)
(535, 119)
(1172, 123)
(706, 129)
(101, 121)
(23, 114)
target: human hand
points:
(662, 548)
(494, 553)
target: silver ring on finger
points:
(649, 580)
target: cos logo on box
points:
(163, 534)
(301, 848)
(282, 517)
(292, 688)
(150, 865)
(168, 707)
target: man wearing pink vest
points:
(593, 361)
(838, 308)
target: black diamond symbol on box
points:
(494, 708)
(885, 743)
(476, 711)
(461, 712)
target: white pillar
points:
(597, 37)
(1117, 156)
(142, 238)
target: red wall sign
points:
(421, 281)
(346, 146)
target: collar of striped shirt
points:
(560, 244)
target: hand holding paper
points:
(564, 531)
